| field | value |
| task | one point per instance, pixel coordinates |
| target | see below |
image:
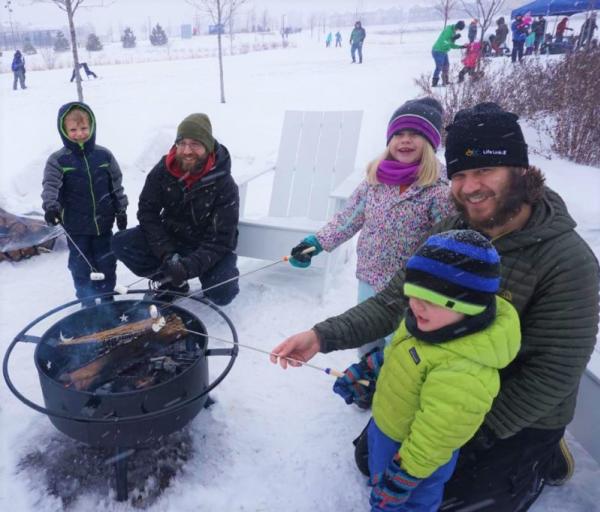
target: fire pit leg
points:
(121, 457)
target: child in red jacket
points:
(470, 60)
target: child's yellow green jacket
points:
(433, 397)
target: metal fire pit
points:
(120, 421)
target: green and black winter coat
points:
(83, 181)
(551, 277)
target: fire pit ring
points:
(124, 419)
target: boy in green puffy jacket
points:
(441, 370)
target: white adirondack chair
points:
(312, 181)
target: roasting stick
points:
(124, 289)
(328, 371)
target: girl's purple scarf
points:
(392, 172)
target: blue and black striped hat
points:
(458, 270)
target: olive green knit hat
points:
(197, 127)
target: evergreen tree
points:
(60, 43)
(93, 43)
(28, 48)
(158, 37)
(128, 38)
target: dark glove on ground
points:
(121, 220)
(392, 487)
(303, 260)
(52, 217)
(174, 269)
(367, 369)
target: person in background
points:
(470, 60)
(86, 68)
(328, 40)
(472, 33)
(587, 31)
(338, 39)
(538, 28)
(357, 38)
(530, 43)
(18, 69)
(188, 213)
(561, 28)
(82, 190)
(548, 273)
(501, 35)
(444, 43)
(436, 381)
(519, 31)
(403, 195)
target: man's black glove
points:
(175, 270)
(52, 217)
(121, 220)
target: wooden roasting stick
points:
(135, 343)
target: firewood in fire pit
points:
(127, 345)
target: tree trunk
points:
(69, 6)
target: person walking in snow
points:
(328, 40)
(82, 190)
(188, 213)
(338, 39)
(403, 195)
(436, 381)
(357, 38)
(538, 28)
(18, 69)
(551, 277)
(444, 43)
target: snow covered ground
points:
(274, 440)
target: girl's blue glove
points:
(301, 260)
(392, 488)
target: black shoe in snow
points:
(561, 466)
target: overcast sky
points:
(135, 12)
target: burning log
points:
(121, 348)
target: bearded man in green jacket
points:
(551, 277)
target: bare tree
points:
(221, 13)
(70, 6)
(444, 7)
(484, 12)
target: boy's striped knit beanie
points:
(458, 270)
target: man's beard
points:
(194, 166)
(509, 203)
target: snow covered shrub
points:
(128, 38)
(158, 37)
(49, 57)
(559, 97)
(28, 48)
(60, 43)
(93, 43)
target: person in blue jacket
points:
(82, 190)
(18, 69)
(519, 30)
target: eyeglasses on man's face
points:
(194, 146)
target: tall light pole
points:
(8, 7)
